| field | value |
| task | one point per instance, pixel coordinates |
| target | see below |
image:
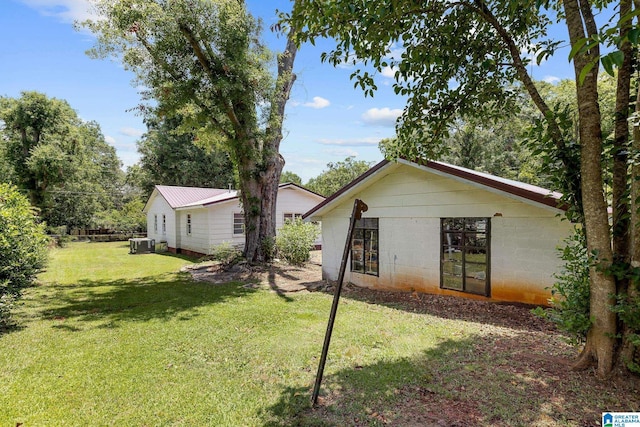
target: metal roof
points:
(190, 197)
(178, 197)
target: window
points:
(188, 224)
(464, 258)
(364, 247)
(164, 224)
(291, 216)
(238, 223)
(155, 223)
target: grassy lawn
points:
(108, 338)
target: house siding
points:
(221, 224)
(198, 241)
(409, 203)
(159, 206)
(212, 224)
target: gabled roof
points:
(512, 188)
(193, 197)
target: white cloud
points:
(317, 103)
(551, 79)
(381, 116)
(129, 131)
(64, 10)
(389, 72)
(342, 152)
(353, 142)
(110, 140)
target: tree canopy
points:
(337, 175)
(169, 156)
(66, 166)
(204, 60)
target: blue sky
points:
(326, 118)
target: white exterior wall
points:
(159, 206)
(294, 201)
(213, 225)
(198, 239)
(409, 204)
(220, 217)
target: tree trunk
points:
(600, 345)
(620, 202)
(629, 352)
(259, 187)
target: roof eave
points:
(345, 191)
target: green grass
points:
(109, 338)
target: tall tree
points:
(169, 156)
(203, 58)
(64, 163)
(464, 58)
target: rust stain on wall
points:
(506, 292)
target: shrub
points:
(294, 241)
(570, 302)
(225, 253)
(23, 246)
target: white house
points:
(192, 220)
(443, 229)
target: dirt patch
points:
(279, 276)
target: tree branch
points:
(213, 76)
(483, 11)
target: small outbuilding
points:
(192, 220)
(441, 229)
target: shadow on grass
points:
(156, 297)
(457, 383)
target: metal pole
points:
(358, 207)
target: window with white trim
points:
(238, 223)
(155, 223)
(164, 224)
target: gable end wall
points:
(409, 204)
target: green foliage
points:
(337, 176)
(269, 247)
(170, 155)
(225, 253)
(204, 61)
(570, 294)
(23, 246)
(128, 219)
(288, 176)
(429, 45)
(68, 169)
(295, 240)
(628, 310)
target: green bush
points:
(23, 247)
(570, 302)
(295, 240)
(225, 253)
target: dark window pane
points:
(465, 254)
(364, 246)
(452, 282)
(453, 239)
